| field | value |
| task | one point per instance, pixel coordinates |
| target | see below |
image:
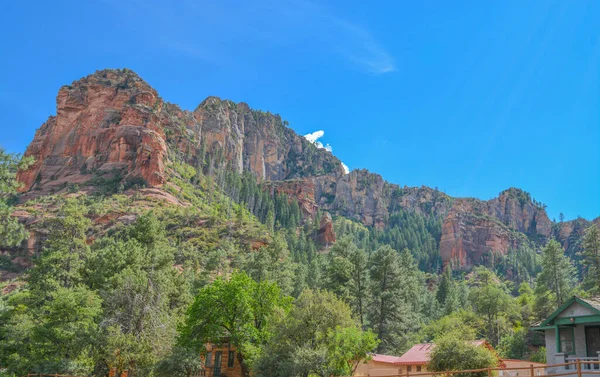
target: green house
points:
(573, 332)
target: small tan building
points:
(379, 365)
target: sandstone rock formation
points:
(113, 121)
(325, 234)
(475, 230)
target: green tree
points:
(392, 315)
(239, 311)
(347, 275)
(317, 337)
(491, 300)
(464, 322)
(53, 336)
(272, 263)
(591, 259)
(64, 252)
(513, 345)
(445, 285)
(453, 352)
(557, 276)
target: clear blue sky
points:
(470, 96)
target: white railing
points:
(587, 363)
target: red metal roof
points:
(385, 358)
(417, 355)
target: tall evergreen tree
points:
(390, 314)
(591, 255)
(557, 276)
(445, 285)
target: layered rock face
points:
(260, 142)
(107, 121)
(366, 197)
(474, 230)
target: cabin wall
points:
(374, 368)
(580, 347)
(550, 346)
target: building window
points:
(409, 368)
(208, 362)
(230, 359)
(418, 368)
(567, 341)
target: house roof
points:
(419, 353)
(385, 358)
(592, 303)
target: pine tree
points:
(389, 312)
(445, 285)
(591, 255)
(558, 274)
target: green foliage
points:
(591, 259)
(539, 356)
(514, 345)
(182, 362)
(272, 263)
(52, 336)
(88, 310)
(348, 276)
(453, 352)
(520, 265)
(11, 232)
(397, 288)
(491, 300)
(555, 283)
(405, 230)
(318, 336)
(464, 322)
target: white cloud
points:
(345, 167)
(314, 137)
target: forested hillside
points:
(133, 232)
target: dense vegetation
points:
(146, 295)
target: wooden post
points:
(578, 368)
(489, 371)
(531, 370)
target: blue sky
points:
(469, 96)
